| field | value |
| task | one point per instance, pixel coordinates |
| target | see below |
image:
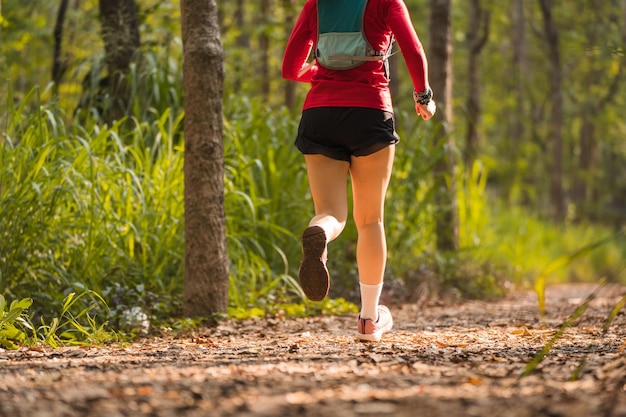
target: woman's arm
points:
(295, 66)
(400, 24)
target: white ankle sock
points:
(370, 294)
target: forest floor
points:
(462, 359)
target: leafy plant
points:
(15, 313)
(74, 325)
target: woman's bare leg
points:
(328, 183)
(370, 177)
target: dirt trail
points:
(461, 360)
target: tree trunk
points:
(587, 162)
(264, 46)
(206, 259)
(58, 64)
(585, 191)
(477, 35)
(518, 114)
(440, 64)
(519, 69)
(557, 195)
(290, 86)
(243, 44)
(120, 34)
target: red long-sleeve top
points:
(367, 84)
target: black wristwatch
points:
(423, 97)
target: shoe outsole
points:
(313, 275)
(369, 337)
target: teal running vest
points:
(341, 41)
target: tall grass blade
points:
(605, 328)
(540, 356)
(614, 312)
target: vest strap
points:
(356, 58)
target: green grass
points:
(87, 205)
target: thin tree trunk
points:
(557, 195)
(440, 64)
(243, 44)
(206, 260)
(520, 67)
(264, 44)
(58, 64)
(619, 197)
(477, 36)
(120, 34)
(587, 160)
(519, 115)
(290, 86)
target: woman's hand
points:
(426, 110)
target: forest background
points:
(91, 204)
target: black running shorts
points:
(342, 132)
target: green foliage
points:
(9, 317)
(70, 327)
(84, 207)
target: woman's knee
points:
(369, 223)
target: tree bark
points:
(206, 259)
(120, 34)
(440, 64)
(557, 195)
